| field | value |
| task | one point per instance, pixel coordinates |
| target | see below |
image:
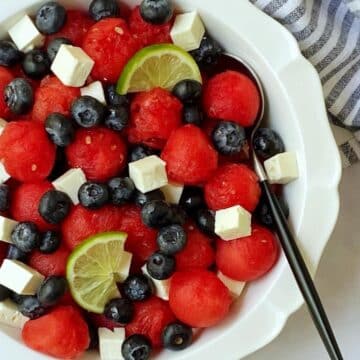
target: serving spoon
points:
(287, 240)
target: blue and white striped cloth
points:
(328, 33)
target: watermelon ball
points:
(232, 96)
(233, 184)
(100, 153)
(5, 78)
(189, 156)
(27, 152)
(198, 298)
(68, 338)
(250, 257)
(154, 116)
(101, 9)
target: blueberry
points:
(141, 199)
(4, 197)
(54, 206)
(121, 190)
(4, 293)
(93, 195)
(31, 307)
(52, 290)
(177, 336)
(16, 298)
(87, 111)
(178, 215)
(60, 166)
(156, 11)
(156, 213)
(60, 129)
(117, 117)
(100, 9)
(228, 138)
(192, 114)
(171, 239)
(115, 99)
(36, 64)
(54, 46)
(208, 52)
(25, 236)
(138, 287)
(14, 253)
(119, 310)
(49, 242)
(188, 91)
(267, 143)
(136, 347)
(205, 220)
(160, 266)
(192, 199)
(9, 54)
(263, 213)
(50, 18)
(19, 96)
(94, 337)
(139, 152)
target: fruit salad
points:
(130, 215)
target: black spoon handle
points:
(302, 275)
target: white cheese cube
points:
(125, 263)
(94, 90)
(172, 192)
(72, 65)
(110, 343)
(6, 228)
(232, 223)
(19, 277)
(3, 124)
(235, 287)
(4, 176)
(70, 183)
(161, 286)
(11, 316)
(282, 168)
(148, 173)
(25, 35)
(188, 31)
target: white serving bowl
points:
(295, 109)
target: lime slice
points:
(161, 65)
(93, 269)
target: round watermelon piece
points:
(5, 78)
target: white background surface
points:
(338, 281)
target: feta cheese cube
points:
(4, 176)
(72, 65)
(148, 173)
(282, 168)
(235, 287)
(19, 277)
(110, 343)
(161, 286)
(125, 264)
(188, 31)
(232, 223)
(11, 316)
(94, 90)
(172, 192)
(70, 183)
(3, 124)
(6, 228)
(25, 34)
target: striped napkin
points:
(328, 33)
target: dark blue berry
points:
(156, 11)
(141, 199)
(25, 236)
(31, 307)
(94, 337)
(267, 143)
(60, 129)
(171, 239)
(188, 91)
(115, 99)
(100, 9)
(52, 290)
(14, 253)
(119, 310)
(60, 166)
(9, 54)
(208, 53)
(177, 336)
(93, 195)
(16, 298)
(156, 213)
(49, 242)
(138, 287)
(192, 114)
(4, 293)
(54, 46)
(192, 199)
(50, 18)
(160, 266)
(121, 190)
(136, 347)
(88, 111)
(36, 64)
(178, 215)
(228, 138)
(19, 96)
(4, 197)
(263, 212)
(54, 206)
(140, 152)
(117, 117)
(205, 220)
